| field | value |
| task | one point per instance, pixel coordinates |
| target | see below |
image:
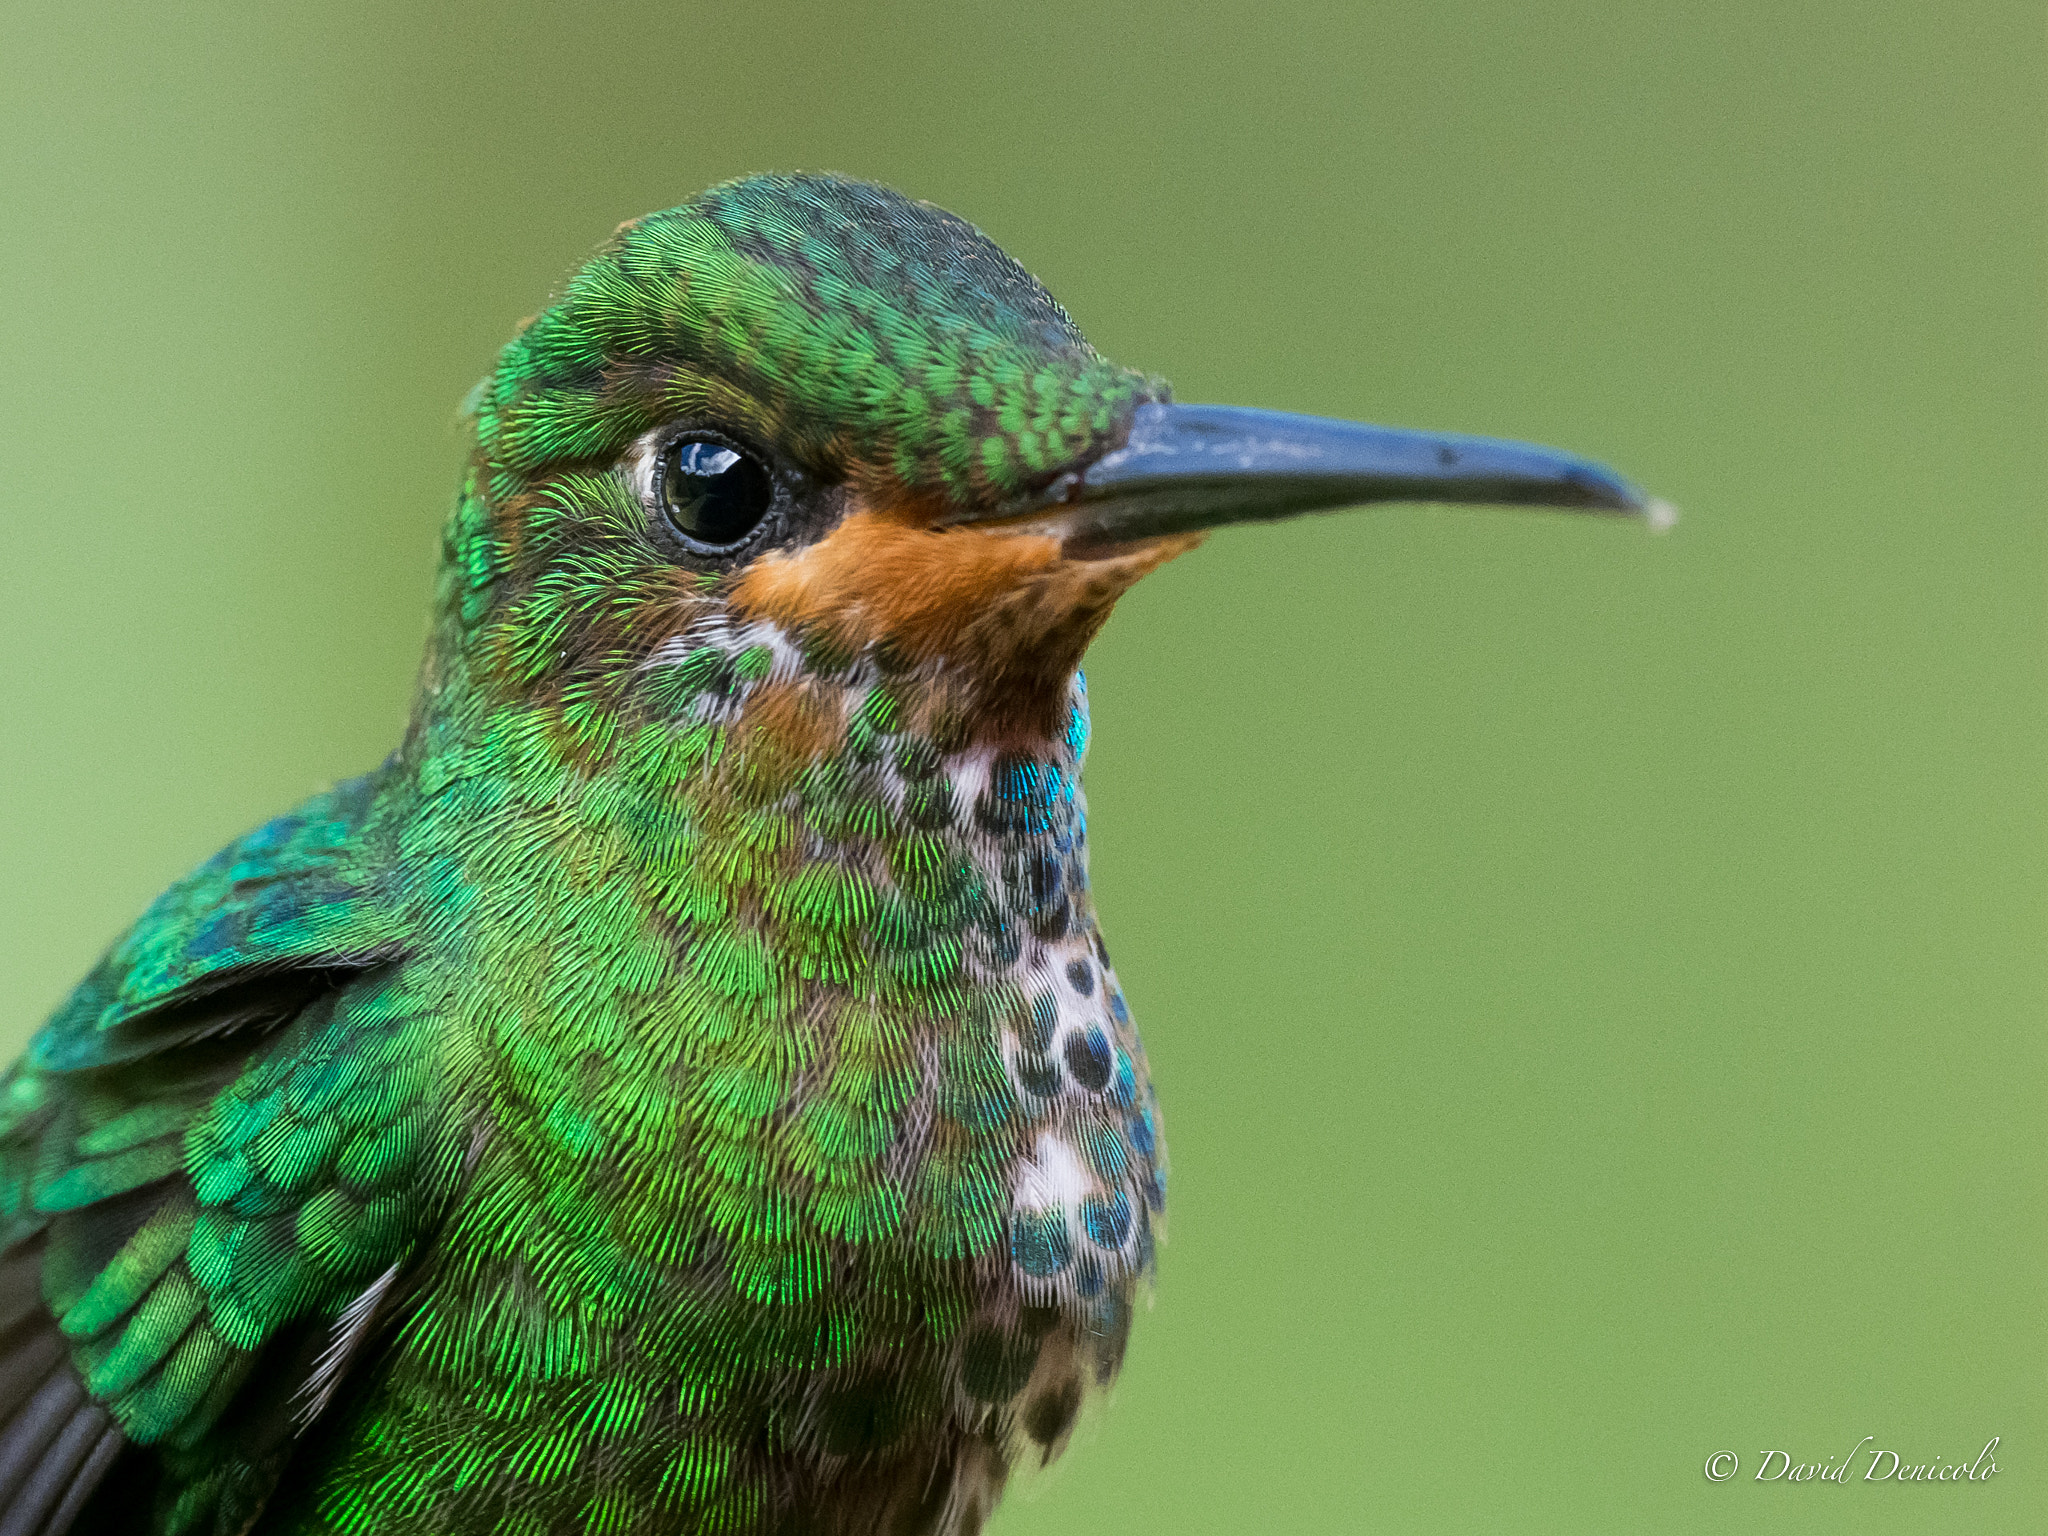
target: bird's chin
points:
(1082, 547)
(1003, 609)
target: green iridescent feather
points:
(605, 1115)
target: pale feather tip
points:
(1660, 514)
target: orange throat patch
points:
(1008, 614)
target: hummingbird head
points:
(811, 411)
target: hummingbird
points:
(685, 1087)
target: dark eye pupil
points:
(712, 493)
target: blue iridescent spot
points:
(1088, 1278)
(1038, 1243)
(277, 905)
(1118, 1008)
(1153, 1187)
(224, 930)
(274, 833)
(1143, 1137)
(1022, 797)
(1108, 1220)
(1123, 1090)
(1089, 1058)
(1105, 1152)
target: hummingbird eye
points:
(712, 493)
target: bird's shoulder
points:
(303, 892)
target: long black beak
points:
(1186, 467)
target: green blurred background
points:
(1596, 981)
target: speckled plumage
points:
(684, 1089)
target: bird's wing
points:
(214, 1160)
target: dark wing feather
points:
(115, 1129)
(56, 1443)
